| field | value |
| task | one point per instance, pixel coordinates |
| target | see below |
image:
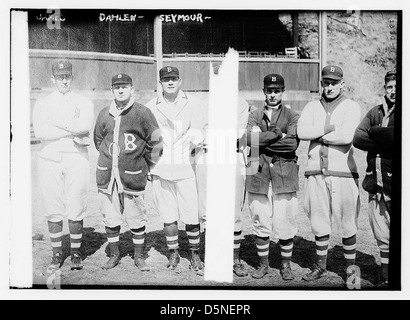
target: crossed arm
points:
(371, 137)
(49, 125)
(340, 134)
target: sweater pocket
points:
(134, 180)
(285, 175)
(252, 166)
(369, 183)
(258, 182)
(132, 172)
(103, 175)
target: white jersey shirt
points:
(57, 119)
(182, 130)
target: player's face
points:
(122, 92)
(62, 82)
(273, 96)
(171, 85)
(332, 88)
(390, 90)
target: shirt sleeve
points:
(99, 132)
(260, 139)
(154, 144)
(243, 117)
(44, 123)
(83, 119)
(344, 133)
(383, 136)
(290, 142)
(306, 127)
(199, 123)
(361, 139)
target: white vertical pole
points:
(221, 161)
(158, 47)
(21, 263)
(322, 42)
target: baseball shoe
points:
(196, 263)
(112, 262)
(56, 262)
(316, 273)
(174, 259)
(382, 281)
(261, 271)
(239, 269)
(76, 261)
(141, 264)
(383, 284)
(286, 272)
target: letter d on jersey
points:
(129, 142)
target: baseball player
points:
(62, 121)
(375, 134)
(173, 181)
(273, 179)
(201, 172)
(331, 189)
(127, 137)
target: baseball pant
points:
(329, 197)
(176, 200)
(201, 172)
(379, 217)
(274, 213)
(64, 186)
(118, 208)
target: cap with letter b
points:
(168, 72)
(121, 78)
(332, 72)
(273, 80)
(62, 67)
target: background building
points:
(102, 43)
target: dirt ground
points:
(127, 276)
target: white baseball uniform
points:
(174, 185)
(63, 164)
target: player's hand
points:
(83, 139)
(195, 136)
(256, 129)
(149, 176)
(283, 135)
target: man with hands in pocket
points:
(272, 178)
(129, 142)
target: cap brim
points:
(169, 77)
(332, 77)
(60, 73)
(274, 86)
(123, 82)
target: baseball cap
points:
(168, 72)
(332, 72)
(121, 78)
(273, 80)
(61, 67)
